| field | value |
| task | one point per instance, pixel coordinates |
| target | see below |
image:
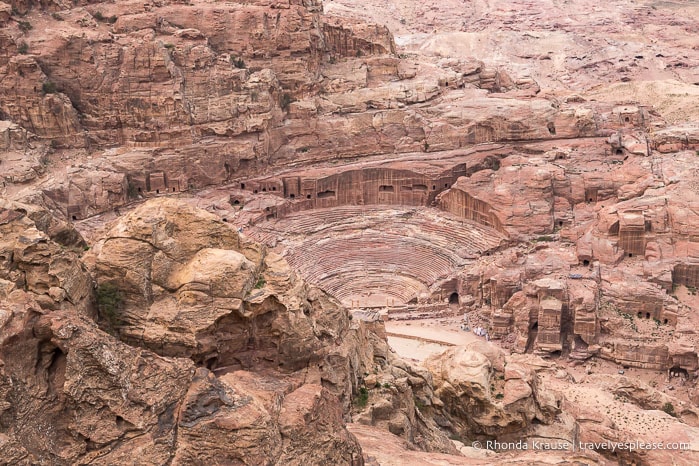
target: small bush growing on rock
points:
(98, 16)
(56, 16)
(669, 409)
(362, 398)
(285, 101)
(49, 87)
(23, 48)
(260, 282)
(112, 19)
(237, 62)
(25, 26)
(110, 303)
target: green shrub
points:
(237, 62)
(49, 88)
(260, 282)
(56, 16)
(110, 303)
(98, 16)
(25, 26)
(362, 397)
(23, 48)
(669, 409)
(285, 100)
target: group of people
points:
(481, 332)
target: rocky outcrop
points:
(488, 394)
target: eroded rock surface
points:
(207, 211)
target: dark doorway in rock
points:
(586, 262)
(211, 363)
(74, 217)
(236, 202)
(677, 371)
(619, 152)
(292, 196)
(242, 185)
(665, 321)
(454, 298)
(647, 315)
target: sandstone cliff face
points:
(104, 399)
(526, 167)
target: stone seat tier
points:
(393, 265)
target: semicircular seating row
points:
(391, 251)
(464, 237)
(395, 265)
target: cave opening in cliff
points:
(665, 321)
(586, 262)
(75, 217)
(242, 185)
(326, 194)
(454, 298)
(211, 363)
(619, 152)
(292, 196)
(647, 315)
(677, 371)
(552, 128)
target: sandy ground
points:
(419, 339)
